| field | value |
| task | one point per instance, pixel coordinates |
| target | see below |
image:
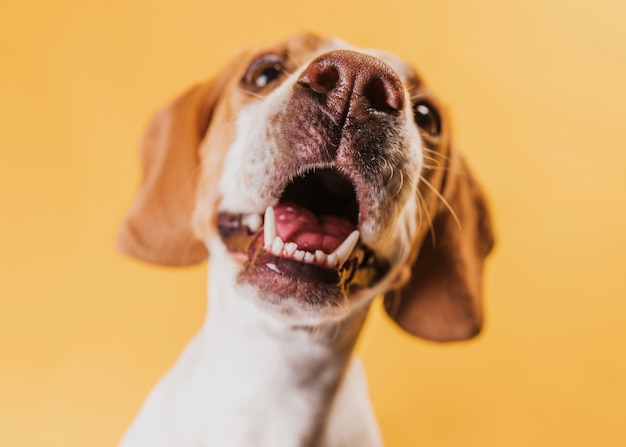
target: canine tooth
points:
(277, 246)
(299, 255)
(269, 229)
(320, 257)
(290, 248)
(309, 257)
(346, 247)
(252, 221)
(331, 260)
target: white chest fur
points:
(247, 380)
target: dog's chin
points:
(303, 294)
(313, 284)
(295, 299)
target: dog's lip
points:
(245, 236)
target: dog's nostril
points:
(321, 79)
(383, 96)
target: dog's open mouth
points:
(310, 235)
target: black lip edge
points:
(236, 236)
(298, 270)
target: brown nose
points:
(353, 84)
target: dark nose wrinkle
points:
(353, 85)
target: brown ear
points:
(158, 226)
(442, 299)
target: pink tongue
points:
(310, 233)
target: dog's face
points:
(318, 187)
(320, 170)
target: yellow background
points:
(537, 90)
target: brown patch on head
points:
(182, 154)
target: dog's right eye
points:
(263, 71)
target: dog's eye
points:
(427, 118)
(263, 71)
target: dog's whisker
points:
(429, 220)
(441, 161)
(433, 159)
(435, 153)
(444, 201)
(420, 211)
(434, 168)
(426, 148)
(399, 186)
(417, 95)
(388, 167)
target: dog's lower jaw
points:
(251, 379)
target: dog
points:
(318, 176)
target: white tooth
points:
(290, 248)
(309, 258)
(331, 260)
(299, 255)
(252, 221)
(269, 227)
(277, 246)
(346, 247)
(320, 257)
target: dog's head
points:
(325, 175)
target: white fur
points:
(234, 384)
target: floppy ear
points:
(442, 299)
(158, 226)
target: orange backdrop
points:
(537, 93)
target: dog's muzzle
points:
(335, 132)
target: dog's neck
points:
(273, 383)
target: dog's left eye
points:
(263, 71)
(427, 118)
